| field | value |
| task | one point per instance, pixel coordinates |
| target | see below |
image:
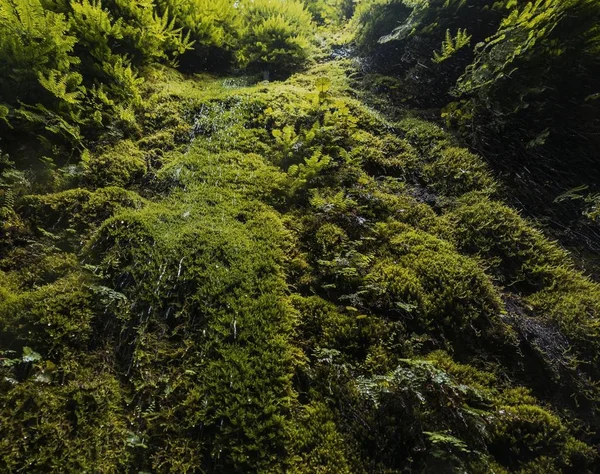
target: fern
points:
(4, 112)
(451, 46)
(64, 86)
(7, 199)
(277, 36)
(150, 35)
(32, 41)
(302, 173)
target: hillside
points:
(218, 260)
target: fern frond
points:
(451, 45)
(64, 87)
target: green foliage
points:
(277, 35)
(277, 300)
(373, 18)
(302, 173)
(523, 432)
(211, 24)
(321, 448)
(78, 66)
(330, 12)
(541, 35)
(502, 84)
(451, 45)
(38, 65)
(455, 413)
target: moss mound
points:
(303, 286)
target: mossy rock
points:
(68, 417)
(122, 165)
(55, 317)
(429, 277)
(79, 209)
(387, 155)
(457, 171)
(572, 301)
(427, 137)
(532, 438)
(518, 253)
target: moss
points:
(322, 325)
(47, 269)
(54, 317)
(330, 237)
(434, 402)
(66, 417)
(430, 279)
(514, 250)
(478, 379)
(12, 228)
(278, 302)
(438, 392)
(388, 154)
(277, 37)
(321, 448)
(204, 265)
(525, 432)
(426, 137)
(457, 171)
(390, 199)
(78, 209)
(573, 302)
(121, 165)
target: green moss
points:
(12, 227)
(330, 237)
(73, 214)
(55, 316)
(428, 277)
(573, 302)
(66, 417)
(121, 165)
(321, 448)
(427, 137)
(204, 265)
(274, 304)
(493, 432)
(322, 325)
(388, 154)
(457, 171)
(525, 432)
(46, 269)
(517, 252)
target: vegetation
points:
(495, 70)
(265, 267)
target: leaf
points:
(323, 85)
(29, 355)
(406, 306)
(571, 194)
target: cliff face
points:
(295, 276)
